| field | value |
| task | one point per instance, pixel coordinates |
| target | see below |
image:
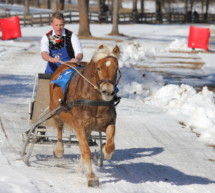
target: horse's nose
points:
(104, 92)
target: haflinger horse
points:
(101, 71)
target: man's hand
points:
(54, 60)
(48, 58)
(75, 60)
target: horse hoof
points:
(58, 155)
(106, 155)
(93, 182)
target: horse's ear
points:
(100, 47)
(116, 51)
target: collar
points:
(63, 32)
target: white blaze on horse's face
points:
(108, 63)
(107, 74)
(107, 66)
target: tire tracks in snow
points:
(3, 129)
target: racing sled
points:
(41, 127)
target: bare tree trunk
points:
(202, 5)
(110, 5)
(134, 11)
(55, 6)
(26, 5)
(135, 5)
(206, 10)
(38, 3)
(115, 22)
(61, 5)
(49, 4)
(191, 5)
(142, 6)
(186, 6)
(158, 7)
(101, 4)
(103, 11)
(84, 27)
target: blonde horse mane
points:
(104, 51)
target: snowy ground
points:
(154, 153)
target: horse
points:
(101, 72)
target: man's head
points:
(58, 22)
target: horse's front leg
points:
(86, 157)
(109, 147)
(59, 148)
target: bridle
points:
(99, 81)
(66, 106)
(110, 81)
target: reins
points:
(94, 86)
(66, 106)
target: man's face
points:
(58, 26)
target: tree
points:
(26, 5)
(38, 3)
(135, 5)
(202, 5)
(100, 3)
(186, 6)
(49, 4)
(84, 27)
(142, 2)
(103, 11)
(206, 10)
(115, 20)
(56, 5)
(134, 11)
(191, 5)
(61, 5)
(158, 7)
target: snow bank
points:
(196, 110)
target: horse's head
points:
(106, 63)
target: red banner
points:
(198, 37)
(10, 28)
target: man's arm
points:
(77, 47)
(77, 59)
(48, 58)
(44, 50)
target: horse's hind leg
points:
(59, 148)
(109, 147)
(86, 157)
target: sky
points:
(165, 120)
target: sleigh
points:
(41, 129)
(87, 104)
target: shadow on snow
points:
(146, 172)
(15, 86)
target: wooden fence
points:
(94, 17)
(169, 18)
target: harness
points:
(87, 102)
(66, 106)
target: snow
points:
(165, 126)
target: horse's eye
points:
(98, 69)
